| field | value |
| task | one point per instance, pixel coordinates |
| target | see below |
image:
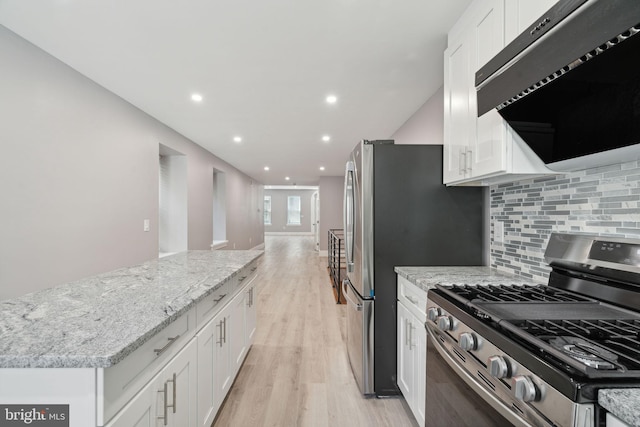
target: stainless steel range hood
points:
(569, 85)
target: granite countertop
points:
(623, 403)
(96, 322)
(427, 277)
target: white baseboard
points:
(323, 254)
(219, 244)
(288, 233)
(260, 247)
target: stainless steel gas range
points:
(539, 354)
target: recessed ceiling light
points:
(332, 99)
(196, 97)
(266, 168)
(287, 178)
(326, 138)
(237, 139)
(321, 168)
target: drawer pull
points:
(217, 300)
(159, 351)
(242, 279)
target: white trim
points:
(260, 247)
(288, 233)
(324, 253)
(219, 244)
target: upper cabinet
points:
(483, 150)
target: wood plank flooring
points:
(297, 372)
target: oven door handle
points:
(472, 382)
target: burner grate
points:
(514, 293)
(616, 342)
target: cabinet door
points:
(238, 330)
(457, 115)
(206, 379)
(140, 411)
(222, 372)
(488, 153)
(176, 404)
(405, 354)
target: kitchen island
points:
(623, 404)
(99, 340)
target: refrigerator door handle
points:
(348, 211)
(345, 286)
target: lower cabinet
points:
(214, 375)
(412, 360)
(169, 399)
(190, 389)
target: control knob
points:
(445, 323)
(433, 313)
(467, 341)
(498, 367)
(524, 389)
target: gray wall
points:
(79, 174)
(331, 194)
(279, 211)
(425, 126)
(603, 201)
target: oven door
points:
(454, 398)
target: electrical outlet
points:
(146, 226)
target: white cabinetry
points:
(214, 375)
(169, 399)
(483, 150)
(223, 344)
(412, 347)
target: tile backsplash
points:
(603, 201)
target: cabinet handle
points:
(411, 328)
(217, 300)
(166, 405)
(164, 391)
(468, 160)
(173, 381)
(242, 279)
(220, 340)
(462, 162)
(159, 351)
(225, 329)
(406, 332)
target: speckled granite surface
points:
(427, 277)
(623, 403)
(97, 321)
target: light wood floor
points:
(297, 372)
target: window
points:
(293, 210)
(267, 210)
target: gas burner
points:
(585, 352)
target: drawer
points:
(246, 275)
(212, 303)
(122, 381)
(413, 297)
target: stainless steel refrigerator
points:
(397, 212)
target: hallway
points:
(297, 372)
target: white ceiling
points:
(264, 68)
